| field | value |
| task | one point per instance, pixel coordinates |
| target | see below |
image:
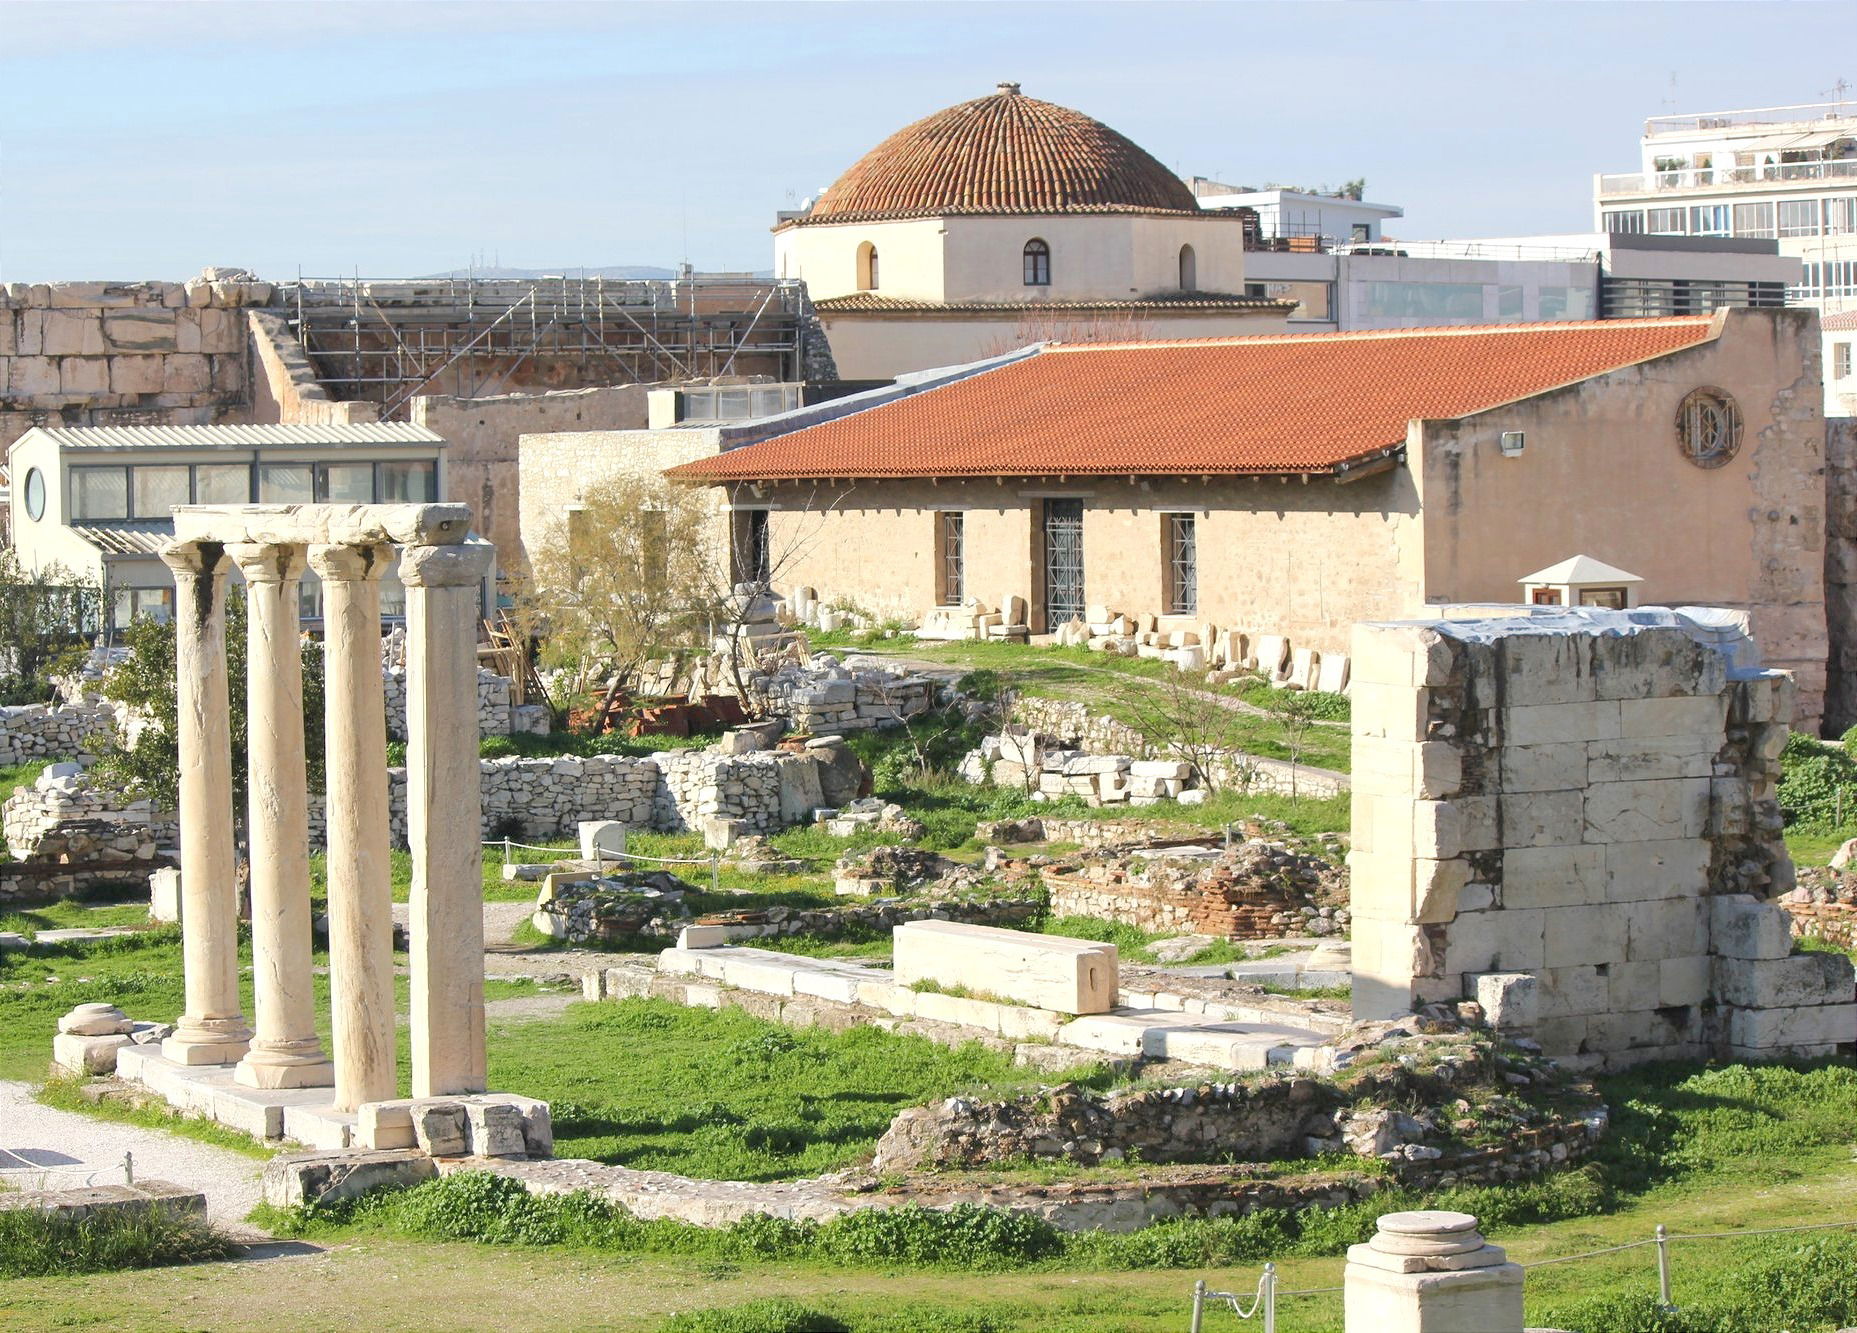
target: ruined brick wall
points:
(1571, 817)
(124, 354)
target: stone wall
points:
(1254, 891)
(496, 716)
(1841, 574)
(1572, 819)
(124, 354)
(44, 731)
(60, 817)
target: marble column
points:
(286, 1052)
(444, 816)
(212, 1030)
(360, 874)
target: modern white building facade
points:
(1787, 173)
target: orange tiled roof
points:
(1312, 403)
(1838, 323)
(1007, 153)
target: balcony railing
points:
(1692, 178)
(1547, 254)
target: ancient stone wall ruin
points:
(1571, 818)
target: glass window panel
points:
(159, 489)
(348, 483)
(1508, 303)
(1708, 220)
(1625, 222)
(731, 404)
(1753, 219)
(222, 483)
(1425, 300)
(408, 483)
(1798, 217)
(287, 483)
(99, 492)
(1841, 215)
(155, 603)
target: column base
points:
(256, 1071)
(187, 1051)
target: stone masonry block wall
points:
(124, 354)
(40, 731)
(1841, 574)
(1572, 819)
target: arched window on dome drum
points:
(867, 267)
(1037, 263)
(1189, 270)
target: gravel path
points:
(34, 1137)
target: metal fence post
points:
(1663, 1268)
(506, 849)
(1270, 1298)
(1199, 1305)
(715, 872)
(128, 1168)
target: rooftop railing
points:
(1763, 115)
(1691, 178)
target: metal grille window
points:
(1708, 427)
(1063, 561)
(951, 539)
(1182, 564)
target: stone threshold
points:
(1187, 1029)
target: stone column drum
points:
(360, 874)
(1431, 1272)
(212, 1029)
(444, 816)
(286, 1053)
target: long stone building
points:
(1294, 485)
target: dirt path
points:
(45, 1148)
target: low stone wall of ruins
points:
(1255, 891)
(124, 353)
(496, 715)
(1105, 745)
(61, 817)
(1572, 819)
(46, 731)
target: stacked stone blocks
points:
(1588, 801)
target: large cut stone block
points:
(1511, 1001)
(1653, 811)
(1741, 926)
(299, 1178)
(1543, 819)
(1045, 971)
(1672, 868)
(1547, 669)
(1551, 766)
(1785, 983)
(1666, 928)
(1553, 876)
(1546, 724)
(1589, 934)
(1817, 1025)
(1643, 757)
(1701, 717)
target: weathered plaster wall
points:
(1602, 474)
(482, 463)
(1571, 818)
(1841, 574)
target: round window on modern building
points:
(1708, 427)
(35, 495)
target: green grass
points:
(63, 1094)
(1135, 945)
(68, 914)
(15, 776)
(722, 1095)
(34, 1245)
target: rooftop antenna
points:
(1840, 88)
(1669, 102)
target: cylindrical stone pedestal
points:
(286, 1052)
(1431, 1272)
(360, 874)
(212, 1030)
(444, 816)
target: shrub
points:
(964, 1236)
(1812, 774)
(34, 1245)
(774, 1316)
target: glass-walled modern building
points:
(99, 501)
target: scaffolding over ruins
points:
(385, 341)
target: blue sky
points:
(147, 140)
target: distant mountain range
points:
(634, 272)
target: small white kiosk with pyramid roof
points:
(1581, 581)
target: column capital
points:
(195, 557)
(445, 566)
(268, 562)
(350, 562)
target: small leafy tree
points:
(144, 682)
(629, 575)
(43, 616)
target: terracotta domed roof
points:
(1007, 153)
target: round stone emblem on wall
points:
(1708, 427)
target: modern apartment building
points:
(1788, 173)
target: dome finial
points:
(1007, 89)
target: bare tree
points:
(1294, 712)
(1184, 723)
